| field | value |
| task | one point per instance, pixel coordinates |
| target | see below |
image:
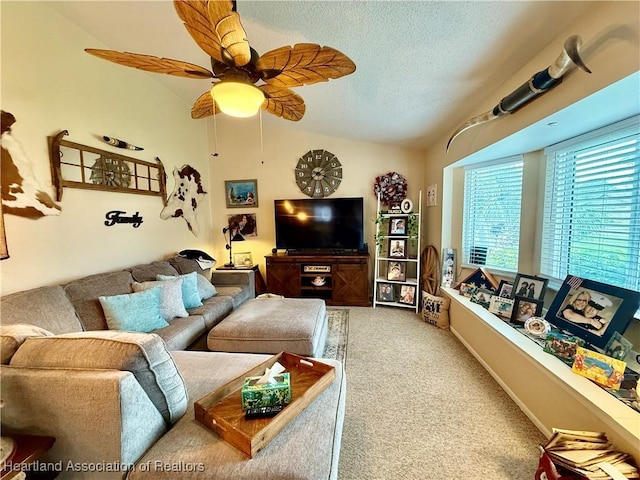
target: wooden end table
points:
(261, 286)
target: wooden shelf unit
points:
(346, 277)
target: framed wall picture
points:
(407, 294)
(386, 292)
(529, 286)
(397, 271)
(592, 310)
(244, 224)
(398, 247)
(398, 226)
(524, 308)
(241, 193)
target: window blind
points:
(591, 225)
(491, 219)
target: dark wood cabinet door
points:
(283, 279)
(351, 284)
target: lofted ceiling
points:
(418, 62)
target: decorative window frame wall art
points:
(621, 305)
(526, 281)
(241, 193)
(398, 226)
(79, 166)
(521, 306)
(397, 248)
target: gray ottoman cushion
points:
(273, 325)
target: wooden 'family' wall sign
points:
(79, 166)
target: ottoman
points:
(273, 325)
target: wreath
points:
(391, 188)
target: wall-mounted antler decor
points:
(79, 166)
(538, 84)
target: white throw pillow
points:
(171, 303)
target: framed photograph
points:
(448, 267)
(505, 288)
(618, 347)
(467, 289)
(241, 193)
(386, 292)
(397, 271)
(562, 346)
(482, 297)
(529, 286)
(242, 259)
(407, 294)
(406, 205)
(398, 247)
(398, 226)
(592, 310)
(524, 308)
(605, 371)
(243, 224)
(501, 306)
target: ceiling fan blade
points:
(204, 106)
(303, 64)
(152, 64)
(232, 36)
(283, 102)
(195, 15)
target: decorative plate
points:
(537, 326)
(318, 173)
(391, 187)
(111, 171)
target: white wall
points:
(49, 83)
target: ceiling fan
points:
(238, 72)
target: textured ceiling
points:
(418, 62)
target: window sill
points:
(542, 386)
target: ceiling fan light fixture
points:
(237, 99)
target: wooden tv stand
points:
(338, 279)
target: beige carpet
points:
(419, 406)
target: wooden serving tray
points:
(221, 409)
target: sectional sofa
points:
(120, 403)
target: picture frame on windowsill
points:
(592, 310)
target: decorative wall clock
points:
(318, 173)
(111, 171)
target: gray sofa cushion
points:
(46, 307)
(186, 265)
(148, 271)
(182, 332)
(12, 336)
(144, 355)
(214, 310)
(84, 294)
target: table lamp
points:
(234, 236)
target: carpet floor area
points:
(420, 406)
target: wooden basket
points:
(221, 409)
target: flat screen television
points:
(328, 224)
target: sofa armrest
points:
(235, 277)
(96, 416)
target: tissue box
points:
(268, 394)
